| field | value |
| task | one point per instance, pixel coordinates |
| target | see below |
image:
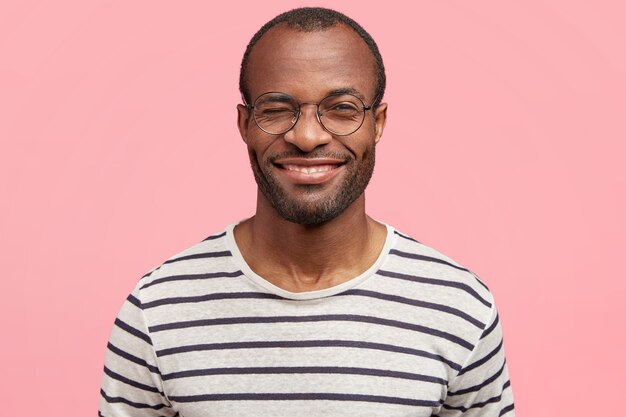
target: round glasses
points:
(277, 113)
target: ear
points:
(380, 118)
(243, 121)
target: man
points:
(310, 307)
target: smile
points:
(309, 169)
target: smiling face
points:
(308, 175)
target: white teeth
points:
(308, 169)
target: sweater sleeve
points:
(482, 387)
(131, 383)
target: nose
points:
(308, 133)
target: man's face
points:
(308, 175)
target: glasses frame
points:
(318, 114)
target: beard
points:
(311, 213)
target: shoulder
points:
(210, 258)
(413, 255)
(423, 272)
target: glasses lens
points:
(342, 114)
(275, 113)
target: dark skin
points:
(309, 66)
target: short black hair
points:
(315, 19)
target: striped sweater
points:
(203, 335)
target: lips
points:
(308, 170)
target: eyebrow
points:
(280, 98)
(347, 90)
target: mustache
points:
(316, 153)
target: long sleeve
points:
(482, 387)
(131, 384)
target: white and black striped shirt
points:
(203, 335)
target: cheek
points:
(361, 147)
(258, 147)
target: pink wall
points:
(505, 145)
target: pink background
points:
(504, 149)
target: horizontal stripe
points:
(426, 258)
(134, 300)
(132, 358)
(130, 329)
(199, 256)
(113, 400)
(317, 318)
(435, 281)
(479, 281)
(307, 344)
(335, 370)
(491, 328)
(192, 277)
(417, 303)
(481, 404)
(305, 396)
(477, 405)
(483, 360)
(405, 236)
(128, 381)
(507, 409)
(211, 297)
(213, 237)
(151, 272)
(481, 385)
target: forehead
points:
(309, 65)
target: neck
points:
(304, 258)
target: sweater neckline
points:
(307, 295)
